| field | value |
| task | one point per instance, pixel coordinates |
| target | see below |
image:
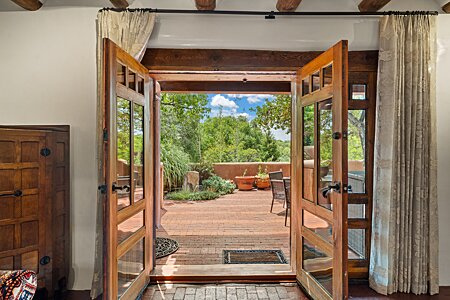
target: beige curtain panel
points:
(404, 254)
(131, 31)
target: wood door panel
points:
(322, 249)
(7, 182)
(128, 231)
(35, 222)
(30, 151)
(6, 237)
(7, 152)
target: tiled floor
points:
(223, 292)
(240, 221)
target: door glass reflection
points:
(130, 266)
(138, 154)
(308, 152)
(318, 225)
(325, 153)
(357, 151)
(123, 152)
(318, 264)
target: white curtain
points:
(404, 251)
(130, 30)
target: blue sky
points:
(240, 104)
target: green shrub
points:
(218, 185)
(176, 165)
(193, 196)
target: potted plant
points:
(262, 179)
(244, 182)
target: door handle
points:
(125, 188)
(16, 193)
(334, 186)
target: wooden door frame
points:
(337, 57)
(112, 217)
(248, 71)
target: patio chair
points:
(277, 184)
(287, 189)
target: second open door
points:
(322, 181)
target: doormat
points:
(165, 246)
(253, 257)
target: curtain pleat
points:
(130, 30)
(404, 253)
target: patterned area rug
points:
(165, 247)
(253, 257)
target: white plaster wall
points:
(443, 140)
(48, 76)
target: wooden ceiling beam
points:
(254, 87)
(205, 4)
(120, 3)
(446, 7)
(287, 5)
(372, 5)
(164, 59)
(31, 5)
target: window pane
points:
(120, 76)
(358, 92)
(318, 264)
(140, 85)
(130, 226)
(308, 152)
(305, 86)
(356, 243)
(356, 211)
(129, 266)
(131, 80)
(138, 122)
(327, 76)
(123, 151)
(318, 225)
(315, 81)
(325, 151)
(357, 151)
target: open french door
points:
(129, 165)
(322, 180)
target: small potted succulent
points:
(262, 179)
(244, 182)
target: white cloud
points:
(281, 135)
(259, 98)
(244, 115)
(221, 101)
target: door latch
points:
(102, 188)
(336, 186)
(45, 152)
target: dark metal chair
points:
(287, 189)
(277, 184)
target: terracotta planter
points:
(244, 183)
(262, 183)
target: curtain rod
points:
(272, 14)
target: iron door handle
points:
(120, 188)
(16, 193)
(334, 186)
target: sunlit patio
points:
(239, 221)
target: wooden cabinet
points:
(35, 202)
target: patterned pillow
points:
(17, 285)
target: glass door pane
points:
(325, 153)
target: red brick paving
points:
(240, 221)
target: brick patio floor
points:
(223, 292)
(240, 221)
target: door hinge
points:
(45, 152)
(103, 188)
(105, 135)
